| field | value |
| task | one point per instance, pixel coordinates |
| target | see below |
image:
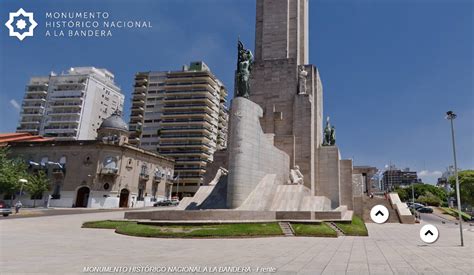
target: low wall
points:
(404, 214)
(193, 215)
(228, 214)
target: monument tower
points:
(287, 88)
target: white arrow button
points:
(429, 233)
(379, 214)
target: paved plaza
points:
(58, 244)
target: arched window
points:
(110, 162)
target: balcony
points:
(32, 106)
(157, 177)
(64, 121)
(27, 130)
(39, 99)
(38, 85)
(139, 95)
(144, 176)
(31, 122)
(37, 92)
(67, 105)
(64, 113)
(60, 130)
(31, 114)
(140, 87)
(141, 79)
(137, 109)
(80, 85)
(67, 100)
(108, 171)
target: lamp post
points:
(450, 115)
(22, 181)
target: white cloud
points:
(15, 104)
(426, 173)
(429, 176)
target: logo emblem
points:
(21, 24)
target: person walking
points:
(18, 205)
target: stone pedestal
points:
(346, 183)
(328, 175)
(251, 153)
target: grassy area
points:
(455, 213)
(107, 224)
(189, 231)
(355, 228)
(313, 230)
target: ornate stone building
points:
(102, 173)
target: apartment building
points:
(393, 178)
(183, 115)
(70, 106)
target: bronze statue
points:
(244, 68)
(333, 136)
(329, 134)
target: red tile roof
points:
(21, 137)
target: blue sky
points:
(390, 69)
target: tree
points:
(429, 199)
(466, 185)
(37, 185)
(430, 194)
(11, 171)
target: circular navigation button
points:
(429, 233)
(379, 214)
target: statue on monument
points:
(244, 68)
(329, 134)
(333, 135)
(296, 177)
(302, 74)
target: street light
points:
(22, 181)
(450, 115)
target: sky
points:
(390, 68)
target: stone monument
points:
(275, 165)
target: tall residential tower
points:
(181, 114)
(70, 106)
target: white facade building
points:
(70, 106)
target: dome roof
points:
(115, 121)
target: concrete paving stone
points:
(58, 244)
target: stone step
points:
(369, 203)
(334, 226)
(287, 229)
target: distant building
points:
(69, 106)
(183, 115)
(443, 181)
(393, 178)
(102, 173)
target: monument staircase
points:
(369, 203)
(287, 229)
(334, 226)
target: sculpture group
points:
(329, 134)
(244, 68)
